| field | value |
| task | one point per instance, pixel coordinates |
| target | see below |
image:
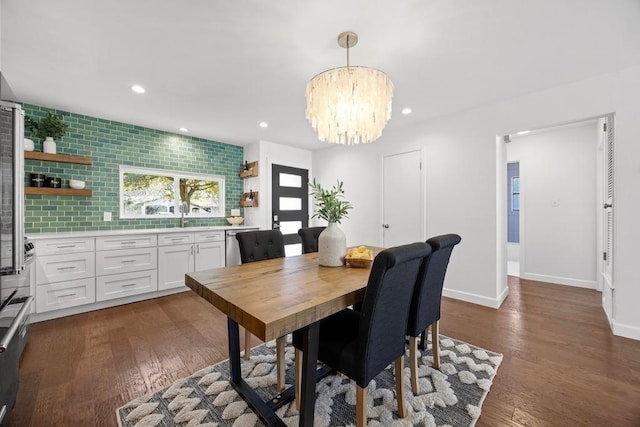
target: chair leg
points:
(280, 343)
(297, 370)
(247, 344)
(413, 361)
(423, 340)
(361, 406)
(400, 386)
(435, 343)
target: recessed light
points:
(523, 132)
(184, 130)
(406, 111)
(264, 125)
(137, 89)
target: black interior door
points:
(290, 204)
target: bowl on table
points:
(235, 220)
(360, 257)
(76, 185)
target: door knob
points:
(608, 205)
(385, 225)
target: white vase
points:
(28, 144)
(49, 145)
(332, 246)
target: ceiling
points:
(219, 67)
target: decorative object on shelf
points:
(330, 206)
(235, 220)
(52, 182)
(48, 128)
(76, 184)
(37, 179)
(249, 170)
(349, 105)
(28, 144)
(249, 200)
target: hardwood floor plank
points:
(561, 366)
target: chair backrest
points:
(310, 238)
(260, 245)
(427, 296)
(385, 308)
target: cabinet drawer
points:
(58, 268)
(64, 246)
(169, 239)
(106, 243)
(209, 236)
(56, 296)
(126, 260)
(122, 285)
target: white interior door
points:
(402, 199)
(607, 258)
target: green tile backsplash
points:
(111, 144)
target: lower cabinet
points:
(177, 260)
(126, 284)
(71, 293)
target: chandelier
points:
(349, 105)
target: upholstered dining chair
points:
(258, 246)
(309, 237)
(361, 344)
(425, 304)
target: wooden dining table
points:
(271, 299)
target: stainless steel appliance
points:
(15, 300)
(232, 248)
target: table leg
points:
(310, 336)
(259, 406)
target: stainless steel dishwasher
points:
(232, 248)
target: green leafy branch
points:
(330, 205)
(52, 126)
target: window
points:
(515, 194)
(156, 193)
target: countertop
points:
(133, 231)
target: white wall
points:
(558, 204)
(462, 152)
(267, 154)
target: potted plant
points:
(331, 206)
(48, 128)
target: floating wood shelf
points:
(47, 191)
(62, 158)
(244, 203)
(251, 172)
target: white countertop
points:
(133, 231)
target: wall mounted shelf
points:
(251, 171)
(46, 191)
(244, 203)
(62, 158)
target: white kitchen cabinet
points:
(126, 284)
(106, 243)
(60, 268)
(64, 246)
(126, 260)
(176, 260)
(71, 293)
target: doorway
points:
(290, 204)
(402, 199)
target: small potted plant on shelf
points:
(331, 206)
(48, 128)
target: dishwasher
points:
(232, 248)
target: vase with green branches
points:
(48, 129)
(332, 207)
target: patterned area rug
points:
(451, 396)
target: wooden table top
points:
(275, 297)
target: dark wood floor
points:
(562, 366)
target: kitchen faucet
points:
(185, 206)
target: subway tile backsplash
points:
(111, 144)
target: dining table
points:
(271, 299)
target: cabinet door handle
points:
(191, 250)
(125, 261)
(66, 268)
(65, 246)
(128, 285)
(67, 295)
(198, 248)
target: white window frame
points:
(176, 182)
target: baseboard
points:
(626, 331)
(476, 299)
(579, 283)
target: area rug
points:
(451, 396)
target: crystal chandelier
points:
(349, 105)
